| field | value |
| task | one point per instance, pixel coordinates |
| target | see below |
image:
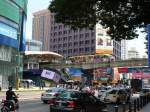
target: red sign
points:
(123, 70)
(137, 75)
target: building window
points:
(93, 34)
(69, 31)
(93, 48)
(65, 38)
(87, 42)
(75, 43)
(55, 34)
(60, 45)
(64, 51)
(87, 49)
(81, 50)
(59, 33)
(70, 38)
(87, 35)
(65, 32)
(81, 36)
(51, 28)
(60, 27)
(65, 45)
(55, 27)
(70, 51)
(75, 37)
(75, 50)
(70, 44)
(81, 42)
(55, 46)
(93, 41)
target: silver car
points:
(50, 94)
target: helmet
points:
(10, 87)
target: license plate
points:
(48, 95)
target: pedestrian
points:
(96, 92)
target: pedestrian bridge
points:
(121, 63)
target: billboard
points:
(51, 75)
(104, 44)
(74, 71)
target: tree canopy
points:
(121, 17)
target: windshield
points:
(55, 90)
(68, 94)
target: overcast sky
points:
(36, 5)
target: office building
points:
(12, 21)
(123, 49)
(60, 38)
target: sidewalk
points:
(146, 108)
(26, 89)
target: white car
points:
(102, 90)
(50, 94)
(116, 95)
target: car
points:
(102, 90)
(117, 95)
(50, 94)
(77, 101)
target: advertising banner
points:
(104, 44)
(139, 69)
(123, 70)
(137, 75)
(74, 71)
(102, 72)
(51, 75)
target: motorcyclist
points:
(11, 96)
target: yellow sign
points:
(104, 51)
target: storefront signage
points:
(8, 31)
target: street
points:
(33, 106)
(30, 101)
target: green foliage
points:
(121, 17)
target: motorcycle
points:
(9, 106)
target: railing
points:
(133, 106)
(122, 63)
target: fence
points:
(134, 105)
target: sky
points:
(37, 5)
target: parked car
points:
(102, 90)
(76, 101)
(117, 95)
(51, 94)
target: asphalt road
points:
(30, 102)
(33, 106)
